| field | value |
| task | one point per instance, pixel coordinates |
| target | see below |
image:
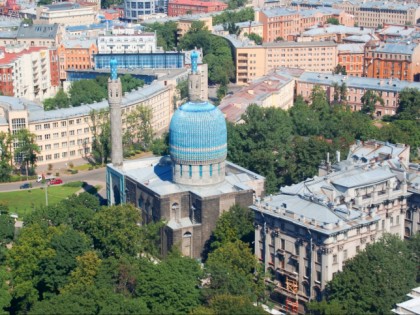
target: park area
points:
(25, 201)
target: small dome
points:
(197, 134)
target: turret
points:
(194, 80)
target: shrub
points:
(74, 184)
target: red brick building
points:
(183, 7)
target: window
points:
(307, 272)
(319, 257)
(48, 157)
(200, 169)
(79, 131)
(71, 132)
(64, 154)
(335, 259)
(345, 254)
(190, 170)
(46, 126)
(37, 127)
(55, 125)
(391, 221)
(86, 130)
(283, 244)
(398, 219)
(47, 136)
(64, 144)
(357, 249)
(56, 156)
(211, 170)
(56, 145)
(72, 143)
(297, 249)
(72, 153)
(48, 147)
(39, 138)
(71, 122)
(63, 134)
(318, 276)
(55, 135)
(63, 123)
(78, 120)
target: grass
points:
(25, 201)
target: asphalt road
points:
(93, 177)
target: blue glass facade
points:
(91, 74)
(197, 134)
(171, 60)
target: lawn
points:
(23, 202)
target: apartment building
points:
(65, 134)
(371, 13)
(307, 232)
(273, 90)
(126, 40)
(67, 13)
(254, 61)
(356, 87)
(399, 60)
(350, 56)
(33, 35)
(28, 72)
(286, 23)
(184, 7)
(76, 54)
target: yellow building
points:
(254, 61)
(66, 134)
(184, 23)
(67, 13)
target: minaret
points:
(194, 80)
(114, 100)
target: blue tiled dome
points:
(197, 134)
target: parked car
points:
(25, 186)
(56, 181)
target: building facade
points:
(253, 61)
(76, 55)
(393, 60)
(285, 23)
(184, 7)
(28, 72)
(67, 13)
(66, 134)
(351, 57)
(306, 233)
(127, 41)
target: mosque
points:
(194, 185)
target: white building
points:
(410, 307)
(306, 233)
(126, 40)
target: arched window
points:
(141, 202)
(306, 289)
(175, 212)
(407, 232)
(186, 244)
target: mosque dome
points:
(198, 135)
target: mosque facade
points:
(191, 187)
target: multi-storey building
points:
(33, 35)
(350, 56)
(76, 54)
(336, 33)
(65, 134)
(28, 72)
(67, 13)
(393, 60)
(286, 23)
(307, 232)
(371, 13)
(138, 10)
(127, 41)
(252, 61)
(389, 90)
(183, 7)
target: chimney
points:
(115, 100)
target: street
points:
(93, 177)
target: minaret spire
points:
(194, 80)
(115, 100)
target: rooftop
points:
(157, 176)
(10, 57)
(47, 31)
(352, 48)
(338, 29)
(405, 48)
(363, 83)
(198, 3)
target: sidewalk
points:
(60, 166)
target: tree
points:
(369, 101)
(234, 4)
(5, 156)
(409, 104)
(182, 88)
(333, 21)
(160, 146)
(167, 34)
(26, 149)
(5, 296)
(7, 229)
(86, 92)
(101, 130)
(115, 231)
(60, 100)
(340, 69)
(139, 131)
(256, 38)
(232, 28)
(374, 280)
(234, 305)
(242, 15)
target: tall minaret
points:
(114, 100)
(194, 80)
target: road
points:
(93, 177)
